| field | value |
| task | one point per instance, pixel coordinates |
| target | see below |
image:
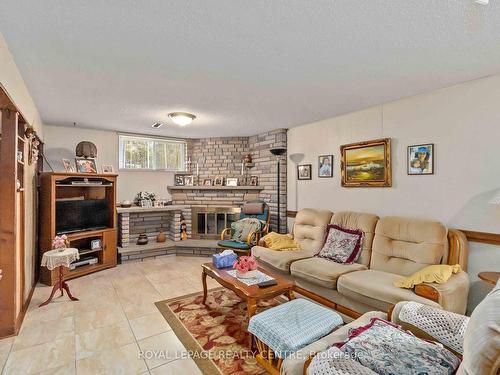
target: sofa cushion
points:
(280, 260)
(322, 272)
(310, 227)
(375, 288)
(404, 246)
(234, 245)
(358, 220)
(341, 245)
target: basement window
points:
(151, 154)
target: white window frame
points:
(121, 152)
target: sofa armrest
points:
(451, 295)
(432, 323)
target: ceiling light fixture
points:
(157, 125)
(182, 118)
(482, 2)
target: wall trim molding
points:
(472, 236)
(482, 237)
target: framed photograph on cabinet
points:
(420, 159)
(68, 167)
(254, 180)
(96, 244)
(325, 166)
(107, 168)
(367, 164)
(207, 182)
(304, 172)
(85, 165)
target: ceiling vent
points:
(157, 125)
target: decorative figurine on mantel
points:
(184, 235)
(246, 166)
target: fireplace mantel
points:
(216, 188)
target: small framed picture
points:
(85, 165)
(230, 181)
(107, 168)
(179, 180)
(420, 159)
(95, 245)
(207, 182)
(219, 181)
(68, 167)
(146, 203)
(304, 172)
(189, 180)
(325, 166)
(254, 181)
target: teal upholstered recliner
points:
(252, 209)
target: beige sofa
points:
(393, 247)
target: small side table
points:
(490, 277)
(55, 258)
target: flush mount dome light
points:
(182, 118)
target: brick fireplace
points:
(213, 208)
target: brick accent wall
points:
(218, 156)
(223, 156)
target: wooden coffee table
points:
(251, 293)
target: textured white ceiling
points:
(242, 66)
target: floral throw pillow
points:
(342, 245)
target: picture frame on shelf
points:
(366, 164)
(207, 182)
(232, 181)
(254, 180)
(107, 168)
(68, 167)
(85, 165)
(146, 203)
(304, 172)
(179, 180)
(420, 159)
(189, 180)
(325, 166)
(96, 244)
(219, 181)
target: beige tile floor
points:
(104, 331)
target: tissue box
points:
(224, 260)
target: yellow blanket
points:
(280, 242)
(438, 273)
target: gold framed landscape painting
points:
(367, 164)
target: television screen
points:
(82, 215)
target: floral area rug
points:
(214, 335)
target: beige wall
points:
(61, 143)
(464, 124)
(11, 80)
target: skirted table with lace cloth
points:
(57, 258)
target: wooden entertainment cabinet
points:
(78, 187)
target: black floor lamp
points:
(278, 152)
